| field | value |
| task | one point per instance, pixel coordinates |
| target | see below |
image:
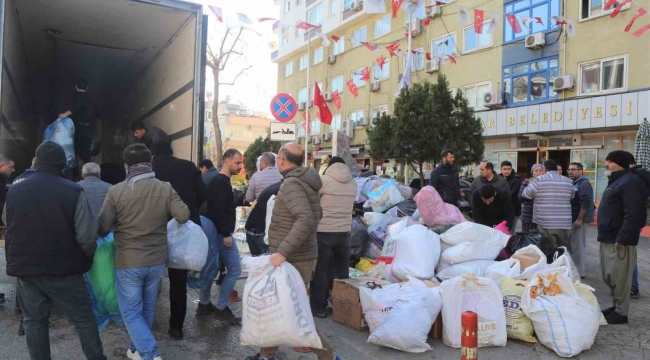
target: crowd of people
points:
(560, 208)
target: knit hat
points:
(620, 158)
(50, 154)
(336, 159)
(532, 170)
(162, 147)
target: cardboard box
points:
(436, 329)
(526, 260)
(346, 304)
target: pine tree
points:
(256, 149)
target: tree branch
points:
(223, 63)
(235, 79)
(223, 43)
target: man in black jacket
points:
(514, 183)
(256, 223)
(185, 178)
(444, 178)
(148, 135)
(49, 251)
(621, 216)
(491, 207)
(645, 176)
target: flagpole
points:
(307, 104)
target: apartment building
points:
(540, 94)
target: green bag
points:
(101, 281)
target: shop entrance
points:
(562, 157)
(525, 161)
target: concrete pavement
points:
(206, 338)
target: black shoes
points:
(319, 313)
(614, 318)
(226, 315)
(176, 334)
(608, 311)
(205, 309)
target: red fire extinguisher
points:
(469, 336)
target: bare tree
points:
(231, 48)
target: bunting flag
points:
(539, 20)
(452, 59)
(336, 38)
(336, 98)
(514, 23)
(244, 18)
(641, 30)
(365, 74)
(396, 6)
(527, 21)
(463, 16)
(619, 8)
(559, 20)
(609, 4)
(426, 22)
(369, 46)
(374, 6)
(324, 39)
(494, 19)
(393, 51)
(638, 14)
(478, 21)
(305, 25)
(263, 19)
(381, 61)
(217, 13)
(325, 115)
(405, 81)
(570, 28)
(428, 55)
(406, 34)
(352, 87)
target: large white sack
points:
(408, 325)
(506, 268)
(443, 264)
(565, 323)
(530, 271)
(587, 293)
(566, 260)
(477, 294)
(476, 267)
(469, 251)
(269, 214)
(377, 303)
(275, 307)
(417, 251)
(469, 231)
(394, 231)
(187, 246)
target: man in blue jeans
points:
(139, 209)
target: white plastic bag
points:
(394, 231)
(275, 307)
(443, 264)
(468, 251)
(530, 271)
(477, 294)
(476, 267)
(377, 303)
(407, 326)
(187, 246)
(370, 218)
(566, 260)
(587, 293)
(385, 197)
(269, 214)
(506, 268)
(417, 251)
(469, 231)
(565, 323)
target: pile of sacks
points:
(380, 194)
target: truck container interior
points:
(139, 57)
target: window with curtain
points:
(314, 15)
(444, 45)
(475, 94)
(531, 8)
(474, 41)
(337, 84)
(382, 26)
(359, 36)
(417, 59)
(530, 82)
(607, 75)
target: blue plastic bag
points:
(201, 280)
(100, 280)
(61, 132)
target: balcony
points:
(355, 8)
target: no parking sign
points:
(283, 107)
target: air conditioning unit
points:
(374, 86)
(563, 82)
(492, 99)
(327, 136)
(331, 59)
(535, 41)
(432, 66)
(433, 11)
(418, 29)
(315, 140)
(301, 106)
(328, 97)
(356, 5)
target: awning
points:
(323, 152)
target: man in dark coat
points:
(492, 206)
(185, 178)
(82, 114)
(621, 216)
(148, 135)
(514, 183)
(444, 178)
(645, 176)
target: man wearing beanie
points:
(186, 179)
(49, 251)
(621, 216)
(492, 206)
(138, 209)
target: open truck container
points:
(143, 59)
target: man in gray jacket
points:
(94, 188)
(268, 175)
(488, 176)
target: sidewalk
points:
(206, 338)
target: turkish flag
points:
(514, 23)
(478, 21)
(426, 22)
(336, 98)
(305, 25)
(369, 46)
(319, 101)
(452, 59)
(335, 38)
(638, 14)
(396, 5)
(641, 30)
(619, 8)
(365, 74)
(217, 12)
(352, 87)
(429, 56)
(539, 20)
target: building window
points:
(284, 36)
(602, 76)
(590, 9)
(339, 46)
(334, 8)
(356, 116)
(359, 36)
(475, 94)
(418, 15)
(287, 6)
(444, 45)
(538, 8)
(318, 55)
(474, 41)
(337, 84)
(302, 95)
(378, 111)
(314, 15)
(417, 59)
(356, 77)
(288, 69)
(315, 127)
(336, 122)
(348, 4)
(236, 134)
(382, 26)
(304, 62)
(530, 82)
(379, 74)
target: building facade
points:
(519, 88)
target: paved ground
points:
(210, 339)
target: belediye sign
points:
(283, 131)
(585, 113)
